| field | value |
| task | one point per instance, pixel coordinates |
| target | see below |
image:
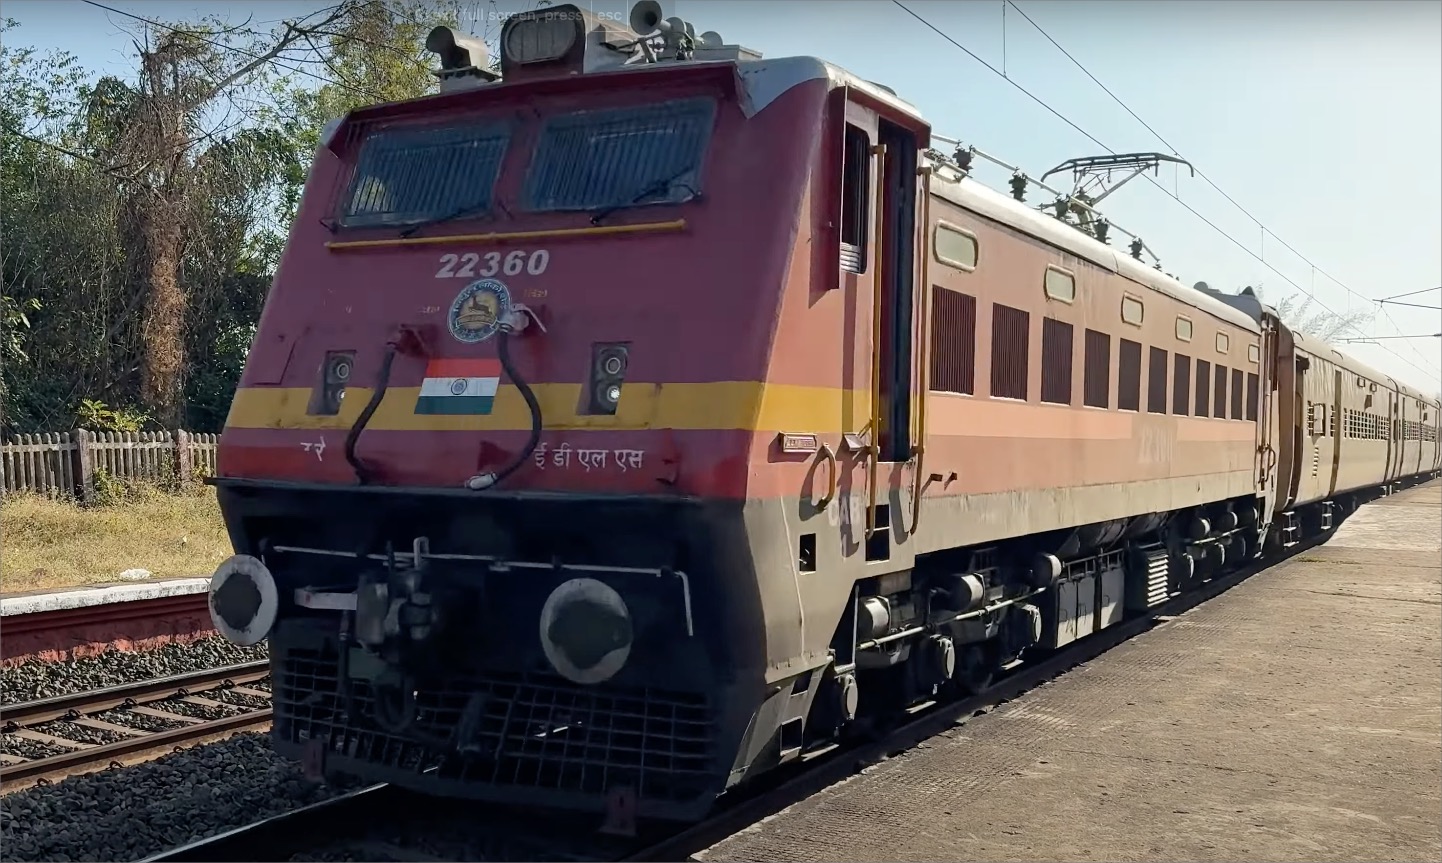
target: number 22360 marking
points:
(513, 263)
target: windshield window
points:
(593, 159)
(408, 175)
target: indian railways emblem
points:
(478, 309)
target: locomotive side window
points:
(1132, 311)
(1010, 351)
(1184, 328)
(1129, 375)
(1224, 343)
(953, 340)
(1060, 285)
(1254, 353)
(1204, 385)
(1056, 361)
(1157, 382)
(1096, 370)
(954, 247)
(855, 199)
(1181, 384)
(621, 157)
(410, 175)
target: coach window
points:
(1184, 328)
(1132, 311)
(1254, 353)
(1224, 343)
(1060, 285)
(1181, 383)
(855, 199)
(1157, 381)
(954, 247)
(1203, 388)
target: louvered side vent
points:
(850, 258)
(953, 341)
(1316, 459)
(1009, 351)
(1150, 581)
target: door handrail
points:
(923, 374)
(878, 220)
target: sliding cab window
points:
(621, 157)
(409, 175)
(855, 198)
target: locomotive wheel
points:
(975, 670)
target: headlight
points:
(243, 600)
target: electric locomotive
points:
(623, 426)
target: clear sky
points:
(1323, 119)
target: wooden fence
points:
(65, 463)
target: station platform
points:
(1294, 717)
(49, 626)
(37, 601)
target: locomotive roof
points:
(765, 80)
(983, 200)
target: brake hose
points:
(383, 379)
(488, 480)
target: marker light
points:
(608, 372)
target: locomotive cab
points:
(491, 469)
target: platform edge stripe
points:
(86, 597)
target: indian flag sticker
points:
(459, 387)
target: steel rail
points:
(26, 715)
(97, 700)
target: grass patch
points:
(50, 543)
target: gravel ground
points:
(85, 734)
(141, 721)
(133, 812)
(34, 680)
(195, 711)
(239, 699)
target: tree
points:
(375, 54)
(143, 218)
(158, 128)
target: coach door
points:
(1391, 421)
(1338, 430)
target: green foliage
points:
(85, 172)
(97, 416)
(110, 490)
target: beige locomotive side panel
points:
(1054, 390)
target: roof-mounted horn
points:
(465, 61)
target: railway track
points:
(72, 733)
(403, 825)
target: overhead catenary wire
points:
(1208, 180)
(1068, 121)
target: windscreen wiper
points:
(453, 214)
(655, 188)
